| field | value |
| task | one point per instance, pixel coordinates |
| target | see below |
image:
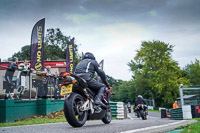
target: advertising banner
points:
(70, 57)
(37, 45)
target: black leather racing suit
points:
(139, 100)
(86, 69)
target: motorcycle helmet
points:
(89, 55)
(140, 96)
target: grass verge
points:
(52, 118)
(192, 128)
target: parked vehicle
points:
(79, 103)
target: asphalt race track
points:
(115, 126)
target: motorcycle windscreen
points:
(66, 89)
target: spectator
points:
(8, 76)
(24, 67)
(47, 82)
(175, 105)
(48, 70)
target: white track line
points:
(153, 127)
(130, 117)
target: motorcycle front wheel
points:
(108, 116)
(74, 116)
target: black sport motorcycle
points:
(79, 102)
(141, 110)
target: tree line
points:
(155, 75)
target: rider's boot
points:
(99, 98)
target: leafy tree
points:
(111, 80)
(193, 72)
(155, 73)
(56, 37)
(124, 91)
(23, 54)
(115, 91)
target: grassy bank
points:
(192, 128)
(52, 118)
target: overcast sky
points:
(111, 29)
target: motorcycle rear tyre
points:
(142, 114)
(70, 113)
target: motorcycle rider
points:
(86, 69)
(139, 100)
(129, 107)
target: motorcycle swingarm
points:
(87, 106)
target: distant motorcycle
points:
(79, 103)
(129, 109)
(141, 110)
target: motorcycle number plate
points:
(66, 89)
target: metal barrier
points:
(117, 109)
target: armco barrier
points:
(176, 114)
(11, 110)
(117, 110)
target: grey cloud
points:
(172, 21)
(167, 11)
(46, 8)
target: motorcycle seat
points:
(81, 81)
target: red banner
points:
(53, 64)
